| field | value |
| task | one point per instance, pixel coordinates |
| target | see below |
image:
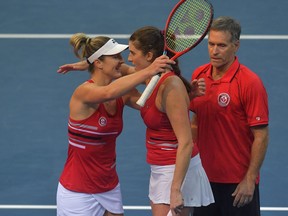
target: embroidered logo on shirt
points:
(223, 99)
(102, 121)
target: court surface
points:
(34, 41)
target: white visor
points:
(111, 47)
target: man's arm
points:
(245, 190)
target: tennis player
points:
(231, 121)
(178, 181)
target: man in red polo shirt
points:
(230, 125)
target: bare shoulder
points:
(84, 89)
(172, 90)
(173, 83)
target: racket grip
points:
(149, 88)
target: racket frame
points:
(151, 85)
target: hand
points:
(176, 203)
(243, 193)
(80, 66)
(198, 88)
(160, 65)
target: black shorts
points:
(223, 205)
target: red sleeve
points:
(255, 102)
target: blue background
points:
(34, 98)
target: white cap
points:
(111, 47)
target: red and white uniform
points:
(225, 114)
(161, 142)
(91, 162)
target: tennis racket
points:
(186, 26)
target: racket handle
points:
(149, 88)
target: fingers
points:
(166, 59)
(244, 200)
(194, 83)
(198, 88)
(65, 68)
(201, 84)
(162, 63)
(243, 195)
(61, 71)
(178, 209)
(201, 80)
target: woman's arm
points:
(119, 87)
(83, 66)
(131, 98)
(175, 103)
(127, 69)
(194, 127)
(80, 66)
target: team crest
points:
(223, 99)
(102, 121)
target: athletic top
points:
(91, 162)
(225, 114)
(161, 142)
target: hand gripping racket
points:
(186, 26)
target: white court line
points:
(58, 36)
(54, 207)
(125, 207)
(123, 36)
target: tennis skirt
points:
(196, 189)
(71, 203)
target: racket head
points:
(187, 25)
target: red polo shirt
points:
(225, 114)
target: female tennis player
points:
(178, 180)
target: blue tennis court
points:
(34, 41)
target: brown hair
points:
(225, 23)
(151, 39)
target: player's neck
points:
(217, 74)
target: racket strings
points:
(188, 24)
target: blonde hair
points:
(84, 46)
